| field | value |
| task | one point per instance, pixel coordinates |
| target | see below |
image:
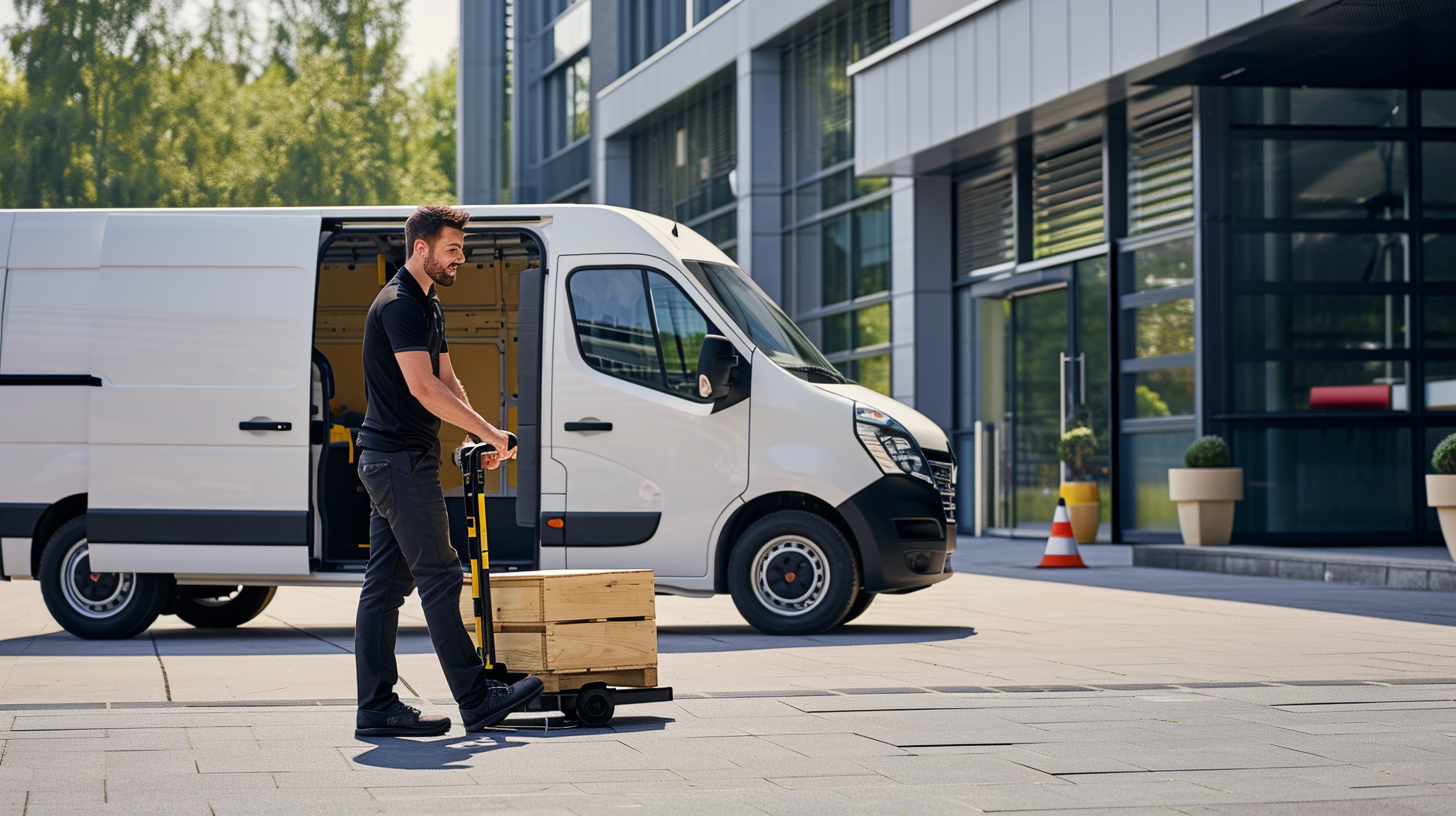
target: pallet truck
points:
(593, 704)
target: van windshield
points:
(763, 321)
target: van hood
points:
(927, 434)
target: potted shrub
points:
(1441, 489)
(1205, 492)
(1076, 448)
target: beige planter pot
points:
(1205, 499)
(1441, 494)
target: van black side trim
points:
(598, 529)
(197, 527)
(19, 520)
(50, 379)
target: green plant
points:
(1076, 448)
(1443, 461)
(1207, 452)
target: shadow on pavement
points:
(455, 753)
(682, 639)
(262, 639)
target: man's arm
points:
(440, 400)
(447, 376)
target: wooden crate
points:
(572, 627)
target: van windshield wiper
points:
(831, 374)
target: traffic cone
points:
(1061, 548)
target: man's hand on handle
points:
(498, 439)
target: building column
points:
(921, 347)
(480, 94)
(612, 170)
(759, 175)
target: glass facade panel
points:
(1349, 107)
(646, 26)
(872, 249)
(1162, 266)
(1354, 322)
(1440, 328)
(1440, 260)
(1163, 393)
(1439, 192)
(1271, 385)
(872, 326)
(1440, 388)
(1438, 108)
(1298, 480)
(682, 157)
(1146, 458)
(1312, 178)
(1319, 257)
(872, 372)
(1160, 329)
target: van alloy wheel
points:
(94, 594)
(791, 575)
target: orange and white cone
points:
(1061, 548)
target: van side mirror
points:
(716, 362)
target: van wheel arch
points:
(50, 521)
(762, 506)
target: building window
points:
(985, 217)
(1066, 183)
(647, 26)
(683, 159)
(568, 112)
(836, 227)
(1160, 161)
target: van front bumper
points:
(901, 532)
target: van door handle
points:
(264, 425)
(588, 426)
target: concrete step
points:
(1365, 568)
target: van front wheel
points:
(792, 573)
(96, 605)
(221, 607)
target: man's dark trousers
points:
(409, 545)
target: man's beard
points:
(438, 273)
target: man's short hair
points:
(427, 222)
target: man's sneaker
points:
(501, 700)
(399, 721)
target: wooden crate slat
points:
(642, 678)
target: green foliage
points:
(1443, 461)
(1207, 452)
(1150, 403)
(107, 105)
(1076, 448)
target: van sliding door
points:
(199, 457)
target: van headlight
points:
(890, 444)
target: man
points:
(411, 387)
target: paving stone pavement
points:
(1110, 690)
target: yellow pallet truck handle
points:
(469, 457)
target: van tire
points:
(227, 612)
(792, 573)
(96, 606)
(862, 602)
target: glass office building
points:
(1155, 218)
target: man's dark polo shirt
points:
(402, 318)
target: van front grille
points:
(944, 474)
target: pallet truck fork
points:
(592, 704)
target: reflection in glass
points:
(1441, 385)
(613, 325)
(1283, 322)
(1276, 178)
(871, 372)
(1319, 257)
(1163, 328)
(680, 332)
(1095, 412)
(1438, 108)
(1440, 328)
(1277, 385)
(1161, 266)
(872, 249)
(872, 325)
(1439, 194)
(1298, 480)
(1355, 107)
(1146, 458)
(1162, 393)
(1038, 338)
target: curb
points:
(1368, 571)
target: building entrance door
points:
(1056, 378)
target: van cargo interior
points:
(481, 328)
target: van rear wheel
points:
(96, 605)
(792, 573)
(221, 607)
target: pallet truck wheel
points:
(595, 707)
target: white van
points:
(179, 391)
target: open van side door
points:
(199, 429)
